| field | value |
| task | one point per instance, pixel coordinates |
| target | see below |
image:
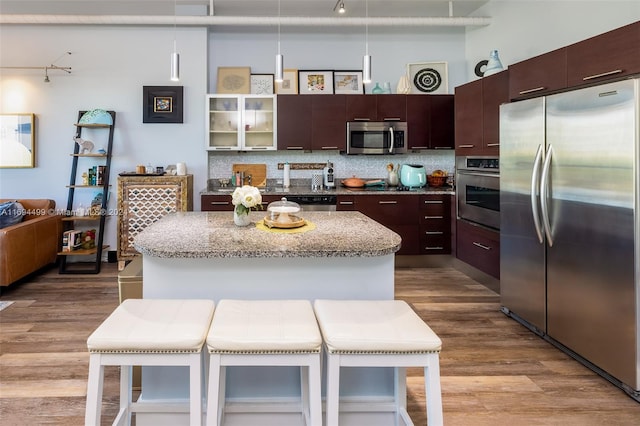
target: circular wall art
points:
(428, 77)
(427, 80)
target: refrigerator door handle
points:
(535, 178)
(544, 191)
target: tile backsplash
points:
(362, 166)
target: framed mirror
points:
(17, 141)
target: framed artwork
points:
(17, 141)
(234, 80)
(315, 82)
(348, 83)
(162, 104)
(262, 84)
(428, 78)
(289, 85)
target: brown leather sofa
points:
(31, 244)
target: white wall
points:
(110, 65)
(522, 29)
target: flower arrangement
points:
(245, 198)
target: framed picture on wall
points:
(428, 78)
(162, 104)
(315, 82)
(348, 83)
(234, 80)
(262, 84)
(17, 141)
(289, 85)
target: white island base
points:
(273, 390)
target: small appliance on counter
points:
(327, 172)
(413, 175)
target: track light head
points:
(341, 9)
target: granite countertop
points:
(214, 235)
(338, 190)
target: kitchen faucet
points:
(248, 178)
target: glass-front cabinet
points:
(241, 122)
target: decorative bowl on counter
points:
(436, 181)
(283, 214)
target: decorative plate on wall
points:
(428, 78)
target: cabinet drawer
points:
(214, 203)
(389, 209)
(479, 248)
(346, 203)
(434, 241)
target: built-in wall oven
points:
(478, 190)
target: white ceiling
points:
(304, 8)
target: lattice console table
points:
(142, 200)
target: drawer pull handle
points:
(391, 119)
(388, 202)
(420, 147)
(493, 144)
(294, 147)
(604, 74)
(256, 148)
(433, 201)
(442, 147)
(329, 147)
(221, 148)
(466, 146)
(482, 246)
(537, 89)
(434, 248)
(360, 119)
(434, 217)
(346, 203)
(219, 203)
(434, 233)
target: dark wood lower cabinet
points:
(216, 203)
(479, 247)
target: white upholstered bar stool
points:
(379, 333)
(265, 333)
(148, 332)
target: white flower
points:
(245, 198)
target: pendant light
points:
(279, 75)
(175, 57)
(366, 60)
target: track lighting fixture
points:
(341, 9)
(45, 68)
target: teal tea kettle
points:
(413, 175)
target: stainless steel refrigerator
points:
(570, 224)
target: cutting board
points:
(258, 173)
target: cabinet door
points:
(328, 128)
(294, 122)
(391, 107)
(419, 121)
(258, 117)
(442, 127)
(609, 55)
(435, 228)
(538, 75)
(223, 123)
(478, 247)
(468, 118)
(361, 108)
(495, 91)
(214, 203)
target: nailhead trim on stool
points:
(379, 333)
(148, 332)
(265, 333)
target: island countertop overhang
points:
(214, 235)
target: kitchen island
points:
(204, 255)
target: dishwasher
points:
(315, 203)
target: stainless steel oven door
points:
(478, 197)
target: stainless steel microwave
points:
(377, 137)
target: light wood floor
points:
(494, 371)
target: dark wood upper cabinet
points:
(612, 54)
(468, 118)
(539, 75)
(495, 92)
(294, 122)
(328, 123)
(376, 108)
(430, 119)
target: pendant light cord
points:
(278, 27)
(366, 27)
